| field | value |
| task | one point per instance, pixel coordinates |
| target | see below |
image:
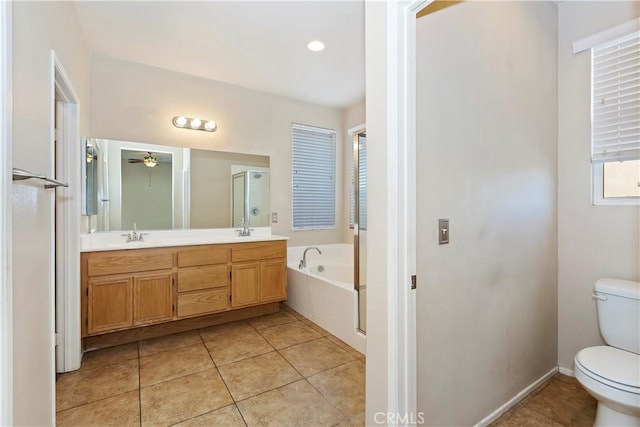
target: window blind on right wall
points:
(615, 95)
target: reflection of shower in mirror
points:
(249, 197)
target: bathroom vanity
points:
(139, 290)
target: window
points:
(615, 120)
(313, 178)
(361, 139)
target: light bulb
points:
(210, 125)
(195, 123)
(315, 46)
(180, 121)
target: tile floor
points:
(277, 370)
(560, 402)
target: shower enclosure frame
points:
(355, 134)
(247, 193)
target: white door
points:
(6, 284)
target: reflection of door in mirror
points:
(147, 190)
(250, 196)
(90, 178)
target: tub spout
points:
(303, 261)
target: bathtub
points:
(323, 291)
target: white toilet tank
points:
(618, 303)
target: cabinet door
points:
(109, 304)
(152, 297)
(273, 280)
(245, 284)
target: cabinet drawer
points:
(256, 251)
(128, 261)
(205, 255)
(202, 302)
(207, 277)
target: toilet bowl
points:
(611, 373)
(612, 376)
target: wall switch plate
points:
(443, 231)
(274, 217)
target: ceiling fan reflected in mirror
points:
(149, 160)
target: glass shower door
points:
(360, 224)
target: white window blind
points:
(313, 180)
(615, 126)
(362, 183)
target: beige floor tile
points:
(315, 327)
(296, 404)
(343, 387)
(274, 319)
(223, 417)
(122, 410)
(291, 311)
(356, 421)
(523, 417)
(231, 348)
(214, 332)
(256, 375)
(183, 398)
(109, 356)
(169, 342)
(564, 403)
(346, 347)
(89, 385)
(288, 334)
(174, 364)
(315, 356)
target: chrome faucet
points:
(303, 261)
(245, 230)
(135, 235)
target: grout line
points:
(139, 387)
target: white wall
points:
(37, 28)
(135, 102)
(486, 159)
(594, 241)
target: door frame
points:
(6, 236)
(67, 210)
(398, 112)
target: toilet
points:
(611, 373)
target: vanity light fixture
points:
(194, 123)
(315, 46)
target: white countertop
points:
(113, 240)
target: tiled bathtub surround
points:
(279, 369)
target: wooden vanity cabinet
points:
(127, 289)
(262, 280)
(152, 298)
(203, 280)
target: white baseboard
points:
(566, 371)
(517, 398)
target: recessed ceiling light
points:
(315, 46)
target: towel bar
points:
(21, 174)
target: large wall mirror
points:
(159, 187)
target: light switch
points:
(274, 217)
(443, 231)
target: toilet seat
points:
(612, 367)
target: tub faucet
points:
(303, 261)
